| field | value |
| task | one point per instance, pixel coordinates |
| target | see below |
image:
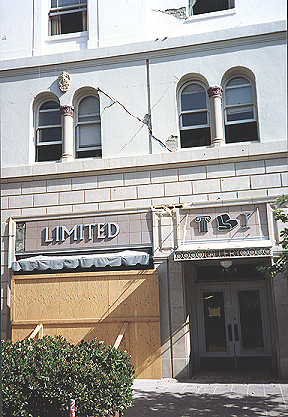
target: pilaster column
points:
(215, 96)
(67, 133)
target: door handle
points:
(229, 332)
(236, 334)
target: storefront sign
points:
(93, 230)
(85, 232)
(224, 222)
(234, 222)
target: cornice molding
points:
(153, 52)
(193, 157)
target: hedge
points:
(39, 377)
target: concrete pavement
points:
(208, 396)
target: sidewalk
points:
(209, 396)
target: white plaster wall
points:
(16, 29)
(122, 133)
(24, 32)
(166, 76)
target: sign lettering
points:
(77, 232)
(224, 222)
(203, 220)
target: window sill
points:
(67, 36)
(212, 15)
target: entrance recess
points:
(233, 325)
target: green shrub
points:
(40, 376)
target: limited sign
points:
(91, 231)
(85, 232)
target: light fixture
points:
(226, 264)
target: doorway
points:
(233, 325)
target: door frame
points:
(234, 347)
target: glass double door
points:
(233, 321)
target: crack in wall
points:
(179, 13)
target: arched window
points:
(88, 128)
(49, 132)
(240, 111)
(194, 116)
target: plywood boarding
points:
(93, 305)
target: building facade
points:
(150, 137)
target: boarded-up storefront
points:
(88, 305)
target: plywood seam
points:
(86, 274)
(84, 321)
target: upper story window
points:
(88, 128)
(208, 6)
(48, 132)
(68, 16)
(194, 116)
(240, 111)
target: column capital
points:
(67, 110)
(215, 91)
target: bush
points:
(40, 376)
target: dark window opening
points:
(194, 117)
(68, 16)
(88, 128)
(242, 132)
(209, 6)
(49, 132)
(240, 111)
(49, 153)
(195, 137)
(89, 154)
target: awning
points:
(99, 260)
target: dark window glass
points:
(49, 105)
(251, 320)
(71, 23)
(49, 153)
(50, 135)
(214, 320)
(208, 6)
(240, 111)
(90, 154)
(194, 115)
(49, 132)
(88, 128)
(241, 132)
(68, 16)
(47, 118)
(195, 137)
(65, 3)
(194, 119)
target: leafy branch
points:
(280, 263)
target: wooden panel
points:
(85, 306)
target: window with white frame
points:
(67, 16)
(240, 111)
(88, 128)
(197, 7)
(48, 132)
(194, 116)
